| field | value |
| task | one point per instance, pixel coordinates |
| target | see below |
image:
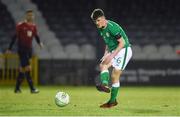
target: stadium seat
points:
(88, 51)
(177, 47)
(165, 50)
(44, 54)
(171, 56)
(139, 56)
(136, 49)
(60, 55)
(154, 56)
(149, 49)
(73, 51)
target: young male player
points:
(25, 32)
(117, 54)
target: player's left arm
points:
(13, 40)
(119, 47)
(116, 31)
(115, 52)
(38, 39)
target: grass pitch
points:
(85, 101)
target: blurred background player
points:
(25, 32)
(117, 54)
(178, 52)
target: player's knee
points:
(115, 79)
(100, 66)
(20, 69)
(28, 68)
(103, 67)
(116, 73)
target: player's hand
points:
(41, 45)
(108, 59)
(104, 57)
(8, 51)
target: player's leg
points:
(117, 71)
(114, 89)
(29, 79)
(20, 74)
(19, 81)
(104, 77)
(119, 63)
(27, 58)
(115, 84)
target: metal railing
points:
(9, 65)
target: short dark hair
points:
(29, 11)
(97, 13)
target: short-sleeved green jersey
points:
(110, 34)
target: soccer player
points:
(117, 54)
(178, 52)
(25, 32)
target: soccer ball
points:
(61, 99)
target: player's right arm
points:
(106, 53)
(41, 45)
(13, 40)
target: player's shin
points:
(19, 80)
(104, 76)
(29, 80)
(114, 91)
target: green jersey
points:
(110, 34)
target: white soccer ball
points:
(61, 99)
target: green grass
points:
(86, 100)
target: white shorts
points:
(122, 58)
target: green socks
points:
(104, 77)
(114, 91)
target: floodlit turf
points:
(86, 100)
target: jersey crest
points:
(107, 34)
(29, 33)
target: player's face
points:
(30, 17)
(100, 22)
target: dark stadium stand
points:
(147, 22)
(70, 20)
(6, 27)
(154, 22)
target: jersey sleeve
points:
(17, 29)
(35, 31)
(115, 31)
(36, 35)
